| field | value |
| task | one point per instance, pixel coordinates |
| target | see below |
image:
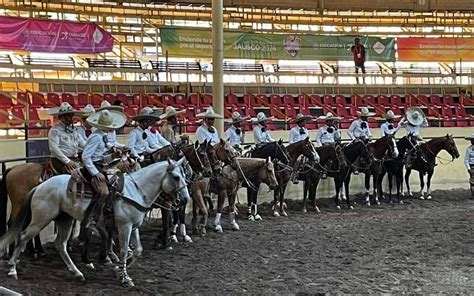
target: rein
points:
(439, 157)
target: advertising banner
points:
(244, 45)
(435, 49)
(53, 36)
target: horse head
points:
(174, 180)
(201, 158)
(267, 174)
(450, 146)
(392, 145)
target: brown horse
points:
(242, 170)
(425, 161)
(311, 176)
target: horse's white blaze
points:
(395, 151)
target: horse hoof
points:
(251, 218)
(80, 277)
(91, 266)
(422, 197)
(174, 239)
(304, 211)
(338, 207)
(284, 214)
(169, 248)
(428, 197)
(351, 207)
(188, 239)
(276, 214)
(258, 217)
(235, 227)
(378, 203)
(400, 202)
(127, 282)
(368, 204)
(218, 228)
(317, 210)
(107, 261)
(13, 274)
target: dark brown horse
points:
(425, 161)
(329, 155)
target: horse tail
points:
(3, 203)
(23, 216)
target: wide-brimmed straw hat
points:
(87, 111)
(262, 117)
(209, 114)
(146, 113)
(390, 115)
(236, 117)
(300, 117)
(105, 105)
(65, 108)
(329, 116)
(364, 111)
(107, 119)
(170, 111)
(470, 138)
(415, 116)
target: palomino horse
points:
(242, 170)
(394, 167)
(426, 161)
(328, 154)
(51, 201)
(377, 152)
(295, 150)
(276, 151)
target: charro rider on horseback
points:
(328, 134)
(469, 162)
(414, 119)
(235, 135)
(84, 129)
(112, 134)
(168, 130)
(64, 140)
(388, 127)
(299, 133)
(260, 131)
(207, 131)
(95, 161)
(360, 131)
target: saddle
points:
(47, 172)
(80, 184)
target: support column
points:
(217, 62)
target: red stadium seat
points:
(370, 100)
(290, 111)
(357, 100)
(433, 111)
(53, 100)
(3, 118)
(436, 100)
(33, 114)
(249, 111)
(341, 100)
(449, 101)
(315, 100)
(383, 100)
(207, 100)
(108, 97)
(329, 100)
(122, 98)
(23, 97)
(304, 110)
(82, 100)
(69, 98)
(18, 113)
(449, 120)
(136, 98)
(37, 100)
(153, 100)
(423, 100)
(5, 102)
(232, 99)
(303, 100)
(463, 119)
(396, 100)
(250, 100)
(276, 112)
(288, 100)
(97, 99)
(411, 100)
(130, 111)
(181, 100)
(311, 125)
(261, 100)
(275, 100)
(168, 100)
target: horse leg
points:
(374, 181)
(305, 195)
(337, 185)
(201, 211)
(182, 224)
(124, 238)
(276, 204)
(255, 196)
(399, 178)
(367, 188)
(428, 184)
(250, 215)
(407, 182)
(221, 197)
(64, 226)
(282, 200)
(165, 221)
(422, 185)
(85, 249)
(137, 244)
(380, 180)
(39, 247)
(174, 226)
(390, 185)
(312, 191)
(233, 223)
(347, 182)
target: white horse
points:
(51, 201)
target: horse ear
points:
(196, 144)
(280, 141)
(268, 159)
(181, 161)
(222, 142)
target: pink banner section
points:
(53, 36)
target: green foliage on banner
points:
(198, 43)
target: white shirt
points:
(261, 137)
(384, 128)
(355, 131)
(81, 132)
(137, 144)
(325, 137)
(112, 140)
(233, 138)
(295, 135)
(203, 134)
(414, 130)
(469, 157)
(94, 151)
(64, 142)
(156, 140)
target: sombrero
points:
(209, 114)
(329, 116)
(146, 113)
(415, 116)
(107, 119)
(236, 117)
(470, 138)
(87, 111)
(364, 111)
(170, 111)
(105, 105)
(300, 117)
(390, 115)
(65, 108)
(262, 117)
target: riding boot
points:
(294, 178)
(86, 221)
(324, 175)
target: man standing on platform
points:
(358, 53)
